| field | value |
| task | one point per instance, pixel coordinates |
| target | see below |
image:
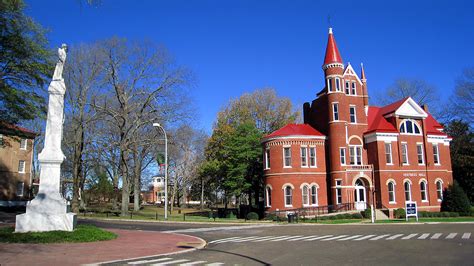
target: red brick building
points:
(348, 152)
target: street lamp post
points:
(166, 169)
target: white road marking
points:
(364, 237)
(451, 236)
(333, 238)
(263, 238)
(194, 263)
(245, 239)
(215, 264)
(466, 236)
(379, 237)
(316, 238)
(149, 261)
(219, 240)
(271, 238)
(394, 237)
(349, 238)
(436, 236)
(286, 238)
(170, 262)
(409, 236)
(207, 229)
(424, 236)
(301, 238)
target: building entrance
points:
(360, 196)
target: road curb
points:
(169, 222)
(201, 246)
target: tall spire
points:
(332, 53)
(362, 72)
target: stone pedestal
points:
(48, 210)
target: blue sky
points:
(238, 46)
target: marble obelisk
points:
(48, 210)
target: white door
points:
(359, 196)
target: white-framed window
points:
(353, 89)
(436, 154)
(407, 186)
(305, 195)
(288, 196)
(338, 84)
(268, 194)
(352, 114)
(335, 111)
(304, 156)
(314, 195)
(267, 158)
(21, 167)
(404, 153)
(409, 127)
(355, 155)
(23, 144)
(338, 191)
(388, 153)
(391, 192)
(419, 151)
(348, 88)
(342, 155)
(20, 188)
(287, 157)
(312, 156)
(424, 195)
(439, 190)
(329, 84)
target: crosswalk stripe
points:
(424, 236)
(378, 237)
(436, 236)
(170, 262)
(193, 263)
(466, 236)
(451, 236)
(219, 240)
(409, 236)
(394, 237)
(364, 237)
(301, 238)
(316, 238)
(333, 238)
(268, 239)
(286, 238)
(149, 261)
(263, 238)
(246, 239)
(348, 238)
(215, 264)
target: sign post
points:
(411, 209)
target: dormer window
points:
(410, 127)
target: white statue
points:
(48, 210)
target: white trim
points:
(287, 184)
(335, 104)
(437, 155)
(296, 173)
(445, 140)
(410, 108)
(346, 73)
(422, 153)
(385, 137)
(415, 125)
(352, 106)
(340, 156)
(305, 147)
(284, 156)
(294, 137)
(315, 157)
(404, 144)
(267, 158)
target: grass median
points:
(83, 233)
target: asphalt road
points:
(300, 244)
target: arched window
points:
(288, 196)
(424, 196)
(391, 192)
(314, 195)
(409, 127)
(439, 190)
(407, 186)
(305, 194)
(269, 196)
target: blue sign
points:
(411, 209)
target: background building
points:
(16, 156)
(350, 153)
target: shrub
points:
(270, 217)
(455, 200)
(367, 214)
(399, 213)
(356, 216)
(252, 216)
(332, 217)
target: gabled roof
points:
(349, 71)
(16, 130)
(295, 130)
(377, 122)
(433, 127)
(406, 107)
(332, 53)
(387, 109)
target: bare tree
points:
(463, 98)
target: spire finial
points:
(362, 72)
(330, 30)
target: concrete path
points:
(129, 244)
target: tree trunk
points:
(202, 193)
(77, 174)
(125, 183)
(136, 178)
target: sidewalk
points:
(129, 244)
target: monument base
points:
(46, 212)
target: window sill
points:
(392, 202)
(421, 164)
(440, 200)
(313, 167)
(288, 206)
(437, 164)
(424, 201)
(22, 173)
(389, 164)
(287, 167)
(405, 164)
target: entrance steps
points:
(381, 215)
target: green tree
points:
(455, 200)
(24, 62)
(462, 155)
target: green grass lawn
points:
(83, 233)
(426, 219)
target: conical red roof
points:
(332, 53)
